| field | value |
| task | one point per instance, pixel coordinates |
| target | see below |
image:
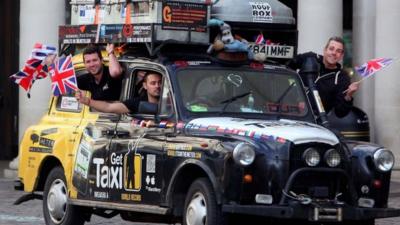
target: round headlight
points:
(383, 160)
(332, 158)
(311, 157)
(244, 154)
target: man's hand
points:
(110, 49)
(80, 96)
(353, 87)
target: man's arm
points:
(344, 101)
(101, 106)
(114, 67)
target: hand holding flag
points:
(366, 70)
(35, 67)
(63, 76)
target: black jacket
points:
(109, 89)
(331, 83)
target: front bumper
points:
(312, 213)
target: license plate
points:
(327, 214)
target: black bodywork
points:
(133, 167)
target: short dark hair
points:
(148, 72)
(90, 49)
(335, 38)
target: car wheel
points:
(201, 206)
(56, 209)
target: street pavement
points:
(31, 212)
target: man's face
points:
(152, 85)
(333, 53)
(93, 63)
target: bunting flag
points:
(41, 51)
(372, 66)
(260, 39)
(34, 68)
(63, 76)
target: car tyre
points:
(56, 209)
(201, 206)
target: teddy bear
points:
(225, 40)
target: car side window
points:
(167, 105)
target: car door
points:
(139, 152)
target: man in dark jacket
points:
(333, 84)
(103, 82)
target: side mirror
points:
(147, 108)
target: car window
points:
(166, 104)
(241, 91)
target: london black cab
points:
(232, 142)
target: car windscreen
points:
(241, 91)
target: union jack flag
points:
(63, 76)
(34, 67)
(32, 70)
(41, 51)
(373, 66)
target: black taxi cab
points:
(230, 142)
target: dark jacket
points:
(331, 83)
(109, 88)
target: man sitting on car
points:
(152, 85)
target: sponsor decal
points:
(184, 16)
(183, 147)
(82, 160)
(34, 138)
(150, 163)
(150, 182)
(46, 142)
(153, 189)
(41, 144)
(77, 34)
(40, 149)
(133, 171)
(261, 12)
(109, 176)
(100, 194)
(131, 197)
(139, 33)
(184, 154)
(69, 103)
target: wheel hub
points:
(57, 201)
(196, 213)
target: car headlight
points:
(383, 160)
(332, 158)
(311, 157)
(244, 154)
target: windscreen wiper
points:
(234, 98)
(281, 97)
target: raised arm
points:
(114, 66)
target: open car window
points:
(241, 91)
